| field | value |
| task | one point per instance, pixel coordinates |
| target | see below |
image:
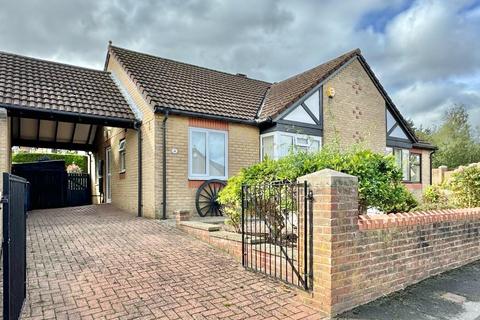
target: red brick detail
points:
(208, 124)
(395, 220)
(193, 184)
(413, 186)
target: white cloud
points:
(426, 56)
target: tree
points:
(456, 141)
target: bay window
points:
(409, 163)
(207, 154)
(276, 145)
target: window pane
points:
(406, 164)
(313, 104)
(302, 141)
(398, 133)
(397, 153)
(285, 144)
(314, 146)
(216, 154)
(267, 147)
(415, 167)
(198, 152)
(390, 121)
(300, 115)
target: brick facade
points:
(243, 150)
(125, 188)
(356, 114)
(359, 259)
(243, 145)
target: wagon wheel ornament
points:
(206, 198)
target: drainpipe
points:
(139, 143)
(164, 173)
(431, 161)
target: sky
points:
(426, 53)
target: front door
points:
(108, 175)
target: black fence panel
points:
(52, 187)
(14, 244)
(79, 191)
(277, 231)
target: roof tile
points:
(46, 85)
(283, 94)
(181, 86)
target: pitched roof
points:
(39, 85)
(185, 87)
(283, 94)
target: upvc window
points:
(208, 154)
(122, 151)
(276, 145)
(409, 163)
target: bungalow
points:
(199, 124)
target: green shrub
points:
(379, 178)
(465, 186)
(79, 160)
(435, 197)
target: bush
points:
(379, 178)
(465, 186)
(79, 160)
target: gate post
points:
(334, 222)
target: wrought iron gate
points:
(277, 231)
(14, 244)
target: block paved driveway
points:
(96, 262)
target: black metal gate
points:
(14, 244)
(79, 191)
(277, 231)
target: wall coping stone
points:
(200, 225)
(383, 221)
(227, 235)
(329, 177)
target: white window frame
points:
(276, 138)
(207, 176)
(122, 152)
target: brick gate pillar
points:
(334, 219)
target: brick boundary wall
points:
(358, 259)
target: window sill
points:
(206, 178)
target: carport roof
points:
(37, 88)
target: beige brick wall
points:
(5, 147)
(243, 150)
(356, 114)
(123, 196)
(5, 153)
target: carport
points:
(52, 105)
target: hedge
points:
(79, 160)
